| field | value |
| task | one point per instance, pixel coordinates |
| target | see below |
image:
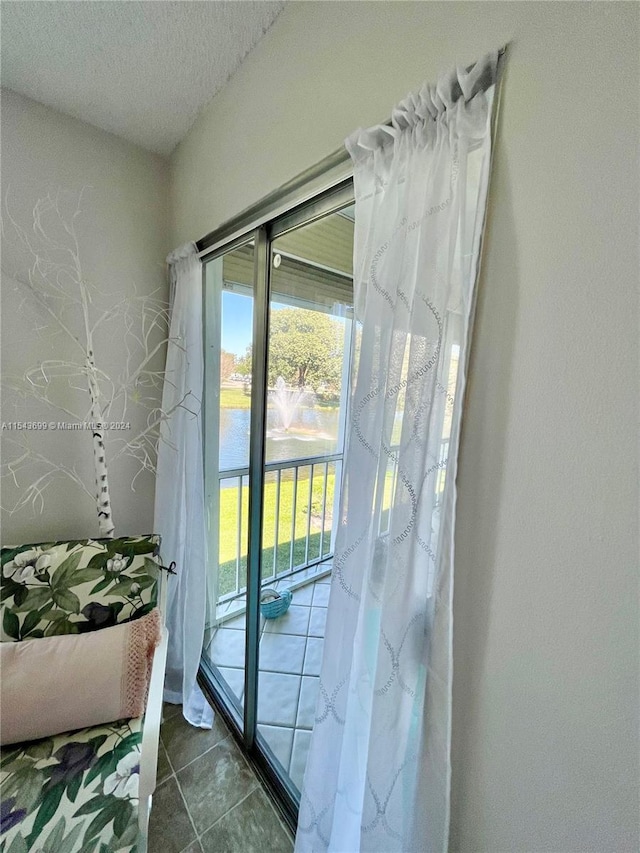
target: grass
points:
(229, 526)
(235, 398)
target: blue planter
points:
(274, 603)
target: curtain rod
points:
(261, 211)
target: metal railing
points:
(299, 493)
(297, 523)
(389, 482)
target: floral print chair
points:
(86, 791)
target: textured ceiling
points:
(137, 68)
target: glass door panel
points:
(309, 353)
(279, 338)
(229, 305)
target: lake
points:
(313, 432)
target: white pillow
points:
(58, 684)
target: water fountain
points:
(286, 401)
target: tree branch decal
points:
(51, 280)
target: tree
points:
(243, 363)
(305, 347)
(227, 364)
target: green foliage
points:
(54, 792)
(48, 808)
(11, 625)
(75, 593)
(243, 363)
(305, 348)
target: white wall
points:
(123, 239)
(546, 633)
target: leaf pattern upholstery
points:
(72, 793)
(76, 586)
(76, 792)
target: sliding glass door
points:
(229, 306)
(310, 333)
(278, 349)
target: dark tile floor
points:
(208, 799)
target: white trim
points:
(151, 735)
(152, 722)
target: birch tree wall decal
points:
(93, 323)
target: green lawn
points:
(235, 398)
(229, 526)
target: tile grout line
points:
(228, 812)
(204, 752)
(207, 750)
(170, 775)
(186, 805)
(255, 787)
(184, 849)
(294, 724)
(174, 775)
(166, 752)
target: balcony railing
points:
(301, 498)
(391, 483)
(299, 504)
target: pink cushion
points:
(58, 684)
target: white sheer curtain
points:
(179, 503)
(378, 770)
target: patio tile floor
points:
(208, 799)
(290, 658)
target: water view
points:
(313, 432)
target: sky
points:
(237, 319)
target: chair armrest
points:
(152, 720)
